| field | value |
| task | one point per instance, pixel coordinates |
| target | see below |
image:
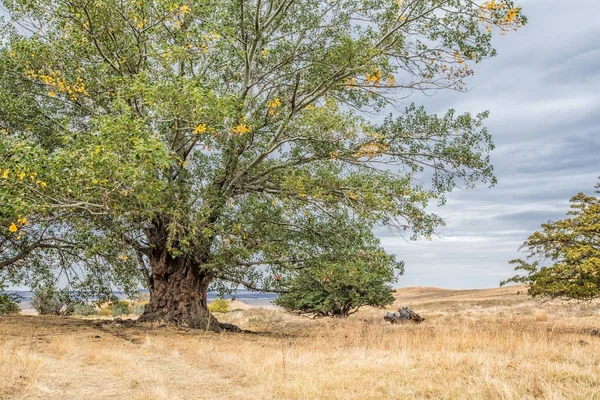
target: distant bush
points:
(119, 308)
(84, 309)
(105, 311)
(47, 301)
(219, 305)
(116, 309)
(8, 304)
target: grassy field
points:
(484, 344)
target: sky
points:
(543, 93)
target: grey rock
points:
(404, 314)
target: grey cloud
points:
(542, 91)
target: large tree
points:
(563, 258)
(228, 142)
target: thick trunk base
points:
(178, 295)
(204, 321)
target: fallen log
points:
(404, 314)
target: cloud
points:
(542, 91)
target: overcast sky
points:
(543, 92)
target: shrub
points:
(219, 306)
(8, 305)
(84, 309)
(47, 301)
(8, 302)
(338, 290)
(105, 311)
(116, 309)
(119, 308)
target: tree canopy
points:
(563, 258)
(182, 144)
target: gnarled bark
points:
(178, 294)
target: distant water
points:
(245, 296)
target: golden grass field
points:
(484, 344)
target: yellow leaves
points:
(371, 150)
(123, 257)
(458, 57)
(375, 135)
(5, 173)
(58, 84)
(21, 175)
(139, 23)
(349, 82)
(334, 155)
(273, 105)
(200, 129)
(351, 195)
(265, 53)
(492, 5)
(40, 183)
(511, 15)
(185, 9)
(21, 221)
(390, 80)
(374, 77)
(241, 129)
(492, 13)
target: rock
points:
(404, 314)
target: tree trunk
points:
(178, 294)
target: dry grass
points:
(475, 345)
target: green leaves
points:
(563, 259)
(340, 289)
(234, 135)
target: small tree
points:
(338, 289)
(47, 301)
(572, 245)
(8, 302)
